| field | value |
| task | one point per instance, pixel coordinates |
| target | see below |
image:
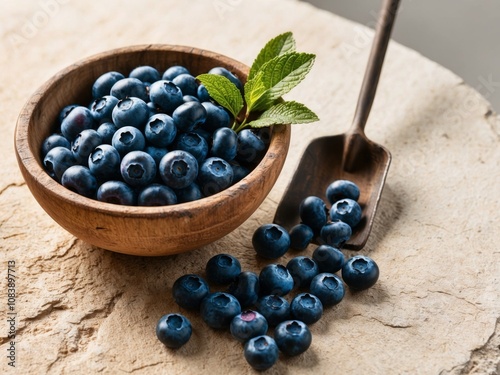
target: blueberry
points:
(157, 153)
(247, 325)
(261, 352)
(128, 139)
(307, 308)
(218, 309)
(138, 168)
(79, 179)
(54, 140)
(106, 130)
(292, 337)
(152, 108)
(156, 195)
(174, 330)
(193, 143)
(84, 144)
(313, 212)
(190, 98)
(77, 120)
(189, 116)
(187, 83)
(165, 95)
(251, 147)
(275, 279)
(217, 117)
(328, 288)
(145, 73)
(178, 169)
(202, 94)
(328, 258)
(102, 85)
(245, 288)
(224, 144)
(104, 163)
(131, 112)
(239, 171)
(360, 272)
(226, 73)
(129, 87)
(336, 233)
(347, 210)
(189, 193)
(275, 309)
(222, 269)
(160, 130)
(174, 71)
(57, 160)
(189, 290)
(116, 192)
(271, 241)
(303, 269)
(301, 236)
(102, 108)
(65, 111)
(214, 176)
(342, 189)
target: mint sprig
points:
(277, 69)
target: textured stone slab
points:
(436, 307)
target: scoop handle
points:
(376, 60)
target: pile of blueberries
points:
(150, 140)
(250, 303)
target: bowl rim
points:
(26, 155)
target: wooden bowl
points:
(145, 231)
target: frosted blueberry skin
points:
(218, 309)
(328, 287)
(215, 174)
(187, 83)
(103, 84)
(189, 116)
(79, 179)
(106, 131)
(156, 195)
(65, 111)
(160, 130)
(261, 352)
(313, 213)
(271, 241)
(189, 290)
(138, 168)
(193, 143)
(217, 117)
(292, 337)
(145, 73)
(275, 279)
(342, 189)
(84, 144)
(178, 169)
(188, 194)
(248, 324)
(165, 95)
(251, 148)
(174, 71)
(173, 330)
(302, 269)
(336, 233)
(347, 210)
(128, 139)
(104, 163)
(222, 269)
(301, 236)
(77, 120)
(102, 108)
(224, 144)
(116, 192)
(360, 272)
(245, 288)
(275, 309)
(129, 87)
(54, 140)
(130, 111)
(328, 258)
(57, 160)
(307, 308)
(202, 94)
(157, 153)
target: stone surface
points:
(436, 307)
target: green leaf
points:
(275, 47)
(285, 113)
(223, 91)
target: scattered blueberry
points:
(313, 213)
(222, 269)
(347, 210)
(247, 325)
(336, 233)
(301, 236)
(302, 269)
(292, 337)
(328, 258)
(245, 288)
(307, 308)
(271, 241)
(342, 189)
(328, 288)
(173, 330)
(189, 290)
(275, 309)
(261, 352)
(218, 309)
(360, 272)
(275, 279)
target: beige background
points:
(436, 307)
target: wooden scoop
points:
(350, 156)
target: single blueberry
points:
(224, 144)
(79, 179)
(328, 288)
(189, 290)
(239, 171)
(341, 189)
(187, 83)
(157, 153)
(189, 193)
(360, 272)
(160, 130)
(174, 71)
(303, 269)
(129, 87)
(188, 116)
(275, 279)
(217, 117)
(128, 139)
(145, 73)
(190, 98)
(174, 330)
(178, 169)
(165, 95)
(104, 163)
(307, 308)
(218, 309)
(156, 195)
(313, 213)
(214, 176)
(246, 288)
(152, 109)
(261, 352)
(202, 94)
(131, 112)
(251, 148)
(219, 70)
(102, 108)
(292, 337)
(222, 269)
(336, 233)
(328, 258)
(84, 144)
(102, 85)
(275, 309)
(138, 168)
(106, 130)
(247, 325)
(347, 210)
(116, 192)
(65, 111)
(57, 160)
(301, 236)
(77, 120)
(54, 140)
(271, 241)
(193, 143)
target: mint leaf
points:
(223, 91)
(275, 47)
(284, 113)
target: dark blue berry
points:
(65, 111)
(102, 108)
(160, 130)
(336, 233)
(245, 288)
(189, 290)
(173, 330)
(303, 269)
(174, 71)
(239, 171)
(342, 189)
(251, 148)
(247, 325)
(217, 117)
(307, 308)
(128, 139)
(328, 288)
(145, 73)
(190, 98)
(189, 193)
(271, 241)
(214, 176)
(165, 95)
(224, 144)
(156, 195)
(292, 337)
(106, 130)
(178, 169)
(218, 309)
(157, 153)
(261, 352)
(275, 279)
(79, 179)
(102, 85)
(360, 272)
(187, 83)
(84, 144)
(54, 140)
(188, 116)
(347, 210)
(202, 94)
(104, 163)
(138, 168)
(313, 213)
(193, 143)
(76, 121)
(129, 87)
(328, 258)
(275, 309)
(301, 236)
(222, 269)
(57, 160)
(116, 192)
(131, 112)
